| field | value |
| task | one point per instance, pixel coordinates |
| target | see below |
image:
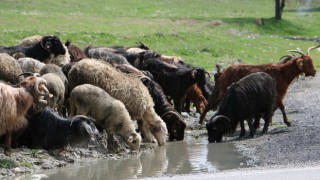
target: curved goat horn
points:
(219, 116)
(297, 51)
(172, 112)
(311, 48)
(43, 39)
(26, 73)
(286, 58)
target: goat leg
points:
(252, 129)
(243, 130)
(178, 105)
(256, 123)
(285, 119)
(267, 120)
(203, 114)
(7, 144)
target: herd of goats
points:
(53, 95)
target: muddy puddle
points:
(187, 157)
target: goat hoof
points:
(289, 124)
(7, 152)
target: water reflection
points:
(175, 158)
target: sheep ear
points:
(130, 138)
(194, 73)
(300, 63)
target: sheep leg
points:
(145, 132)
(7, 144)
(113, 144)
(285, 118)
(243, 130)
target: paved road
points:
(304, 173)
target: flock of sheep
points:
(54, 94)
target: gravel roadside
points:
(289, 146)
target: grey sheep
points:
(57, 89)
(30, 65)
(106, 54)
(52, 68)
(129, 90)
(108, 112)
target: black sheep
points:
(251, 97)
(41, 51)
(174, 121)
(47, 130)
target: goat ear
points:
(300, 63)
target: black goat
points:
(47, 130)
(251, 97)
(174, 81)
(41, 51)
(174, 121)
(137, 59)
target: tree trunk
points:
(279, 8)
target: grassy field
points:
(202, 32)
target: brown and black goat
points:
(283, 74)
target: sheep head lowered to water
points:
(129, 90)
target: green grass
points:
(6, 163)
(173, 27)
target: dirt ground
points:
(283, 146)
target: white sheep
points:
(128, 89)
(108, 112)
